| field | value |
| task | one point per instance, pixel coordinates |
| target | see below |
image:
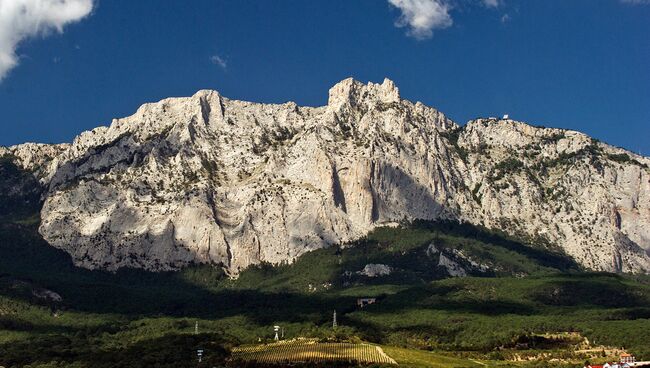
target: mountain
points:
(206, 179)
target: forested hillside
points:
(511, 294)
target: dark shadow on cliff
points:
(20, 193)
(400, 189)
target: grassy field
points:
(427, 359)
(307, 350)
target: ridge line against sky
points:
(41, 46)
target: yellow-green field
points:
(413, 358)
(425, 359)
(311, 351)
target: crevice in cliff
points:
(374, 213)
(337, 190)
(205, 110)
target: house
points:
(362, 302)
(627, 361)
(613, 365)
(627, 358)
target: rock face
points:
(375, 270)
(455, 262)
(206, 179)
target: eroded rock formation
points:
(206, 179)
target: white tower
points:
(334, 323)
(276, 329)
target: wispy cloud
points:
(218, 60)
(492, 3)
(422, 16)
(505, 18)
(23, 19)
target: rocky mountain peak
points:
(206, 179)
(353, 92)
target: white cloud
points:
(505, 18)
(22, 19)
(218, 60)
(422, 16)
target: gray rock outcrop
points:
(375, 270)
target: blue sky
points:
(579, 64)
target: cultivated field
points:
(311, 351)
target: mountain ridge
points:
(206, 179)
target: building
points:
(617, 365)
(626, 361)
(362, 302)
(627, 358)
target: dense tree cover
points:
(168, 351)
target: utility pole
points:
(196, 328)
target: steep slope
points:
(206, 179)
(561, 187)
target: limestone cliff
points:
(206, 179)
